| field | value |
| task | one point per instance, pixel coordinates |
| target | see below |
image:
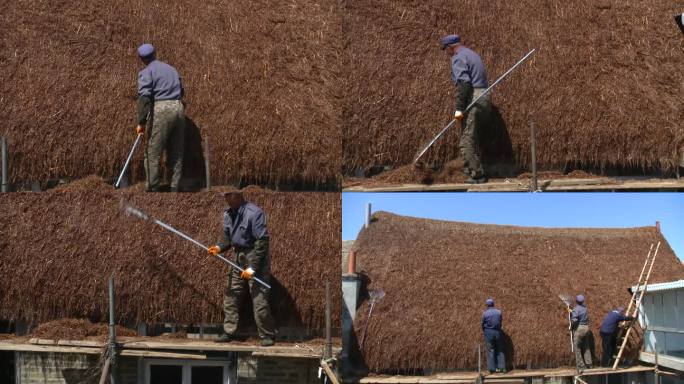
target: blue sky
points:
(528, 209)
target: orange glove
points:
(458, 116)
(247, 273)
(139, 129)
(214, 250)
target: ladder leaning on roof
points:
(637, 297)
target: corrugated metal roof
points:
(679, 284)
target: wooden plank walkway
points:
(515, 185)
(148, 346)
(515, 376)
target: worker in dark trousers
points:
(245, 232)
(609, 331)
(470, 78)
(491, 327)
(159, 97)
(579, 317)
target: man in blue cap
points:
(579, 317)
(159, 98)
(491, 327)
(609, 330)
(245, 232)
(470, 78)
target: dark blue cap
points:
(450, 39)
(490, 302)
(146, 50)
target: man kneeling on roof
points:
(491, 327)
(244, 230)
(582, 335)
(609, 331)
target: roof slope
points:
(438, 274)
(58, 248)
(597, 62)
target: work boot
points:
(225, 338)
(500, 370)
(267, 341)
(472, 180)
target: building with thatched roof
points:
(436, 276)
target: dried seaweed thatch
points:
(604, 88)
(437, 276)
(260, 79)
(77, 329)
(58, 248)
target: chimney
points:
(658, 225)
(351, 263)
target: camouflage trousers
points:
(474, 120)
(168, 131)
(234, 295)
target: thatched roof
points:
(58, 248)
(604, 88)
(260, 79)
(438, 274)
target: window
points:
(162, 371)
(166, 374)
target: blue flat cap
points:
(579, 298)
(450, 39)
(490, 302)
(146, 50)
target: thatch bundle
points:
(260, 79)
(604, 88)
(58, 248)
(437, 276)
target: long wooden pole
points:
(105, 372)
(329, 373)
(4, 187)
(112, 334)
(533, 146)
(207, 164)
(328, 321)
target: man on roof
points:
(491, 327)
(609, 330)
(579, 317)
(159, 100)
(470, 78)
(245, 232)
